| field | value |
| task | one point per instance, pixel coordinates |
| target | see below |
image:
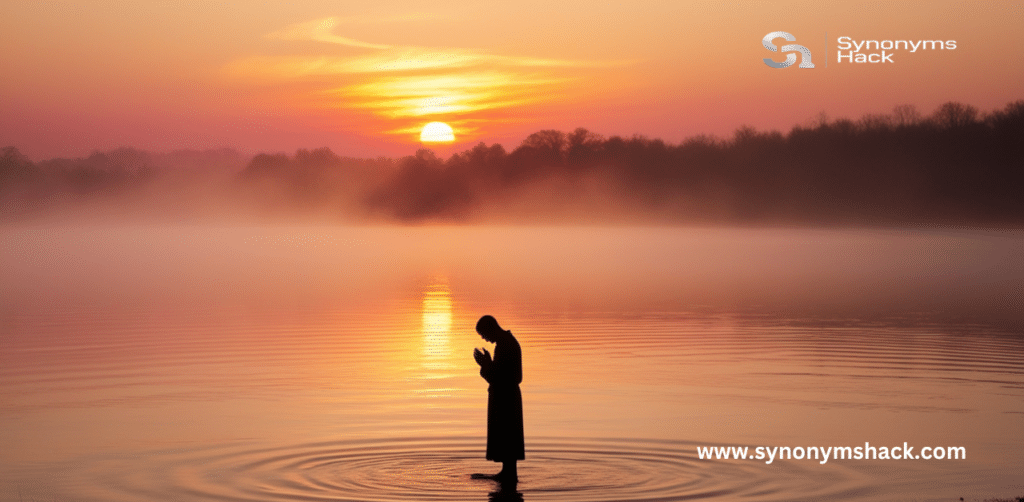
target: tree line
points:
(956, 166)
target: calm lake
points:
(318, 363)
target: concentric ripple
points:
(564, 469)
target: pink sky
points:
(363, 78)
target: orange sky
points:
(363, 77)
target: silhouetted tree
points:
(952, 114)
(424, 188)
(905, 115)
(958, 166)
(16, 169)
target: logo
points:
(805, 54)
(853, 49)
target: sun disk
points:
(437, 132)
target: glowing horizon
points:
(363, 83)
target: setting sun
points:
(437, 132)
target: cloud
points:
(384, 61)
(408, 17)
(455, 93)
(410, 82)
(320, 31)
(393, 59)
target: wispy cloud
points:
(407, 82)
(456, 94)
(320, 31)
(405, 17)
(393, 60)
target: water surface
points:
(315, 363)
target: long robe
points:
(505, 402)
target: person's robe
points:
(505, 402)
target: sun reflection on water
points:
(437, 324)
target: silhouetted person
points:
(504, 373)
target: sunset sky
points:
(363, 78)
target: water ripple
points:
(386, 470)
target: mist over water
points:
(327, 362)
(214, 326)
(895, 271)
(956, 167)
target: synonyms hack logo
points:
(805, 54)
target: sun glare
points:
(437, 132)
(437, 320)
